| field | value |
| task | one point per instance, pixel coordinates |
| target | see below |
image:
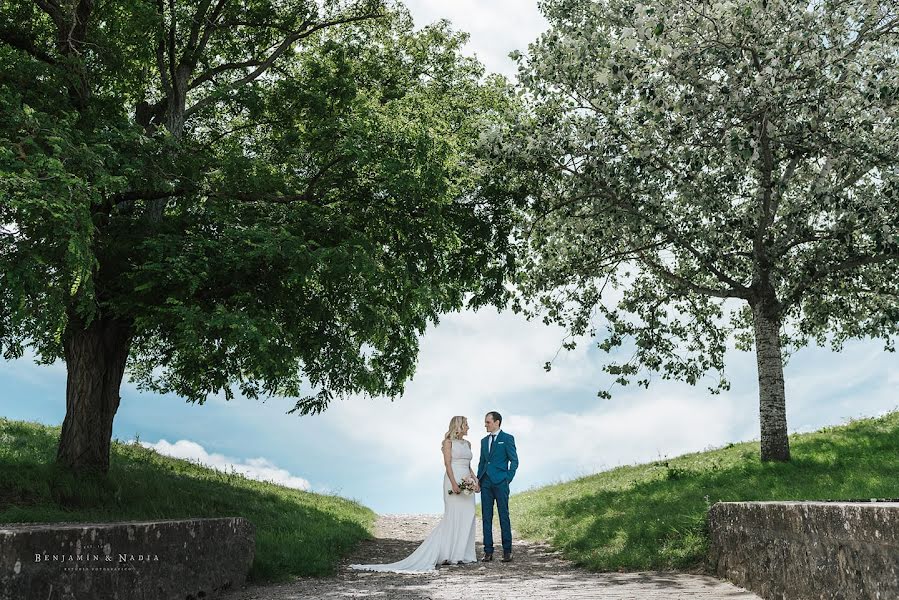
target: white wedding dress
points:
(453, 537)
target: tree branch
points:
(211, 73)
(736, 286)
(16, 39)
(844, 265)
(666, 231)
(305, 196)
(766, 216)
(804, 240)
(885, 293)
(267, 62)
(160, 52)
(317, 177)
(197, 20)
(239, 23)
(680, 281)
(50, 7)
(721, 275)
(250, 125)
(782, 183)
(616, 258)
(210, 27)
(173, 74)
(133, 195)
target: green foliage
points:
(685, 161)
(653, 516)
(280, 221)
(297, 533)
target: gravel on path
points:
(536, 572)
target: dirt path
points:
(535, 573)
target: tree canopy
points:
(262, 197)
(687, 153)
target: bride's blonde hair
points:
(454, 432)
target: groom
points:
(495, 471)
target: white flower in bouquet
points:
(466, 486)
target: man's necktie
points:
(490, 446)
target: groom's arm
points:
(482, 459)
(513, 458)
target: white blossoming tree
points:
(729, 168)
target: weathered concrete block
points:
(185, 559)
(808, 550)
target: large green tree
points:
(269, 197)
(705, 171)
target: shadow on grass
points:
(658, 518)
(297, 532)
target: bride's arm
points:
(477, 484)
(448, 463)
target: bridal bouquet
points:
(466, 486)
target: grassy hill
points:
(297, 533)
(653, 516)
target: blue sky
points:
(386, 454)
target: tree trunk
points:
(772, 399)
(95, 360)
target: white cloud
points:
(254, 468)
(497, 27)
(27, 370)
(468, 364)
(824, 388)
(637, 427)
(475, 362)
(501, 351)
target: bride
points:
(452, 540)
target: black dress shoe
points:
(507, 556)
(487, 557)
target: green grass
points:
(653, 516)
(650, 516)
(297, 532)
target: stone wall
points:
(808, 550)
(153, 560)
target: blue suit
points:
(496, 470)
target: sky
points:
(386, 454)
